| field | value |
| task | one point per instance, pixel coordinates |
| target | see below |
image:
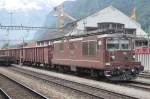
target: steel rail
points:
(41, 96)
(144, 75)
(139, 85)
(4, 94)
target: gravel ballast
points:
(43, 87)
(112, 87)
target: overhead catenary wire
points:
(21, 27)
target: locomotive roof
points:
(117, 35)
(104, 35)
(111, 23)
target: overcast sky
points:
(28, 5)
(24, 7)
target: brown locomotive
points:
(105, 51)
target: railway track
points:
(138, 85)
(93, 92)
(16, 90)
(145, 75)
(4, 95)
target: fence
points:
(144, 59)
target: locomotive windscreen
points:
(118, 44)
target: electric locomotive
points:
(106, 51)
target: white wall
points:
(110, 14)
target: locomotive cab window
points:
(124, 44)
(118, 44)
(112, 44)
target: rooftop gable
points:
(109, 14)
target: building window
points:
(89, 48)
(37, 44)
(45, 43)
(49, 43)
(71, 46)
(41, 43)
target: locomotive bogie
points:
(123, 74)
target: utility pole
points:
(8, 31)
(84, 24)
(21, 53)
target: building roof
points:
(54, 34)
(109, 14)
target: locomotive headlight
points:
(132, 70)
(134, 56)
(113, 57)
(118, 67)
(124, 53)
(107, 64)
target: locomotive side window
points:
(92, 48)
(85, 48)
(71, 46)
(61, 46)
(89, 48)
